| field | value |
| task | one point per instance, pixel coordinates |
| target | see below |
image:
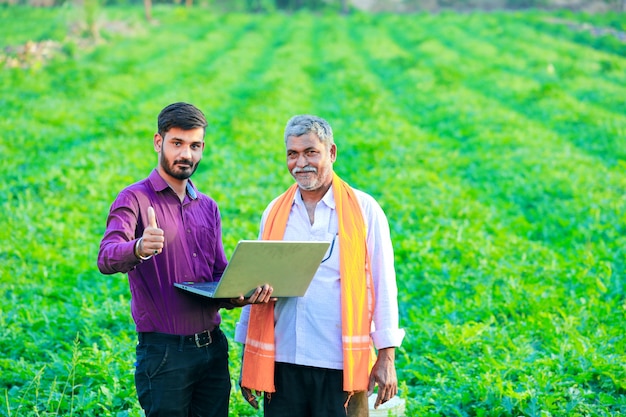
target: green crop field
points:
(495, 143)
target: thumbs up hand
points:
(151, 243)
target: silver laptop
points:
(288, 266)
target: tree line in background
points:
(260, 6)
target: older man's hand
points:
(261, 295)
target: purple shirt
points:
(192, 251)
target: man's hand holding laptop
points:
(259, 296)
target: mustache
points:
(183, 162)
(297, 170)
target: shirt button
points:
(195, 255)
(188, 230)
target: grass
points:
(495, 142)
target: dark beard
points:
(179, 174)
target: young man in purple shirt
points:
(162, 230)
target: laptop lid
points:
(288, 266)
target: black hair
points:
(182, 115)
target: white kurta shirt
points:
(308, 329)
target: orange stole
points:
(357, 295)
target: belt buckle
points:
(199, 338)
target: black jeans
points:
(177, 378)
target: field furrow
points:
(495, 143)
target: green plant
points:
(493, 141)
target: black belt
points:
(201, 339)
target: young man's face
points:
(309, 161)
(180, 151)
